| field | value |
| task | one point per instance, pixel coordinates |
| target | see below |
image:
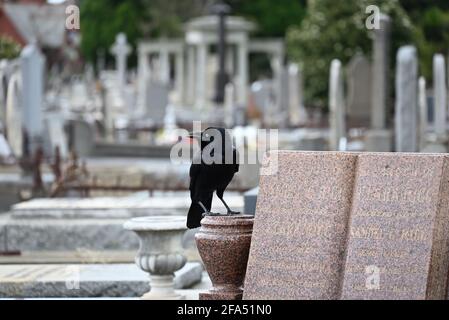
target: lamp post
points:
(222, 78)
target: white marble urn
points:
(160, 253)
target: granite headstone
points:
(351, 226)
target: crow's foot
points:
(211, 214)
(233, 213)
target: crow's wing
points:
(235, 159)
(195, 170)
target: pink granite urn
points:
(223, 243)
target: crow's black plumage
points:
(207, 176)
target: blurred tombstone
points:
(14, 133)
(55, 135)
(3, 65)
(438, 139)
(336, 106)
(81, 137)
(297, 113)
(121, 51)
(359, 90)
(262, 92)
(32, 66)
(406, 100)
(157, 99)
(423, 112)
(229, 106)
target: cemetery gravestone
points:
(398, 240)
(406, 100)
(157, 97)
(359, 89)
(351, 226)
(300, 228)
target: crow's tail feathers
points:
(194, 216)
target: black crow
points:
(212, 170)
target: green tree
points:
(431, 18)
(332, 31)
(9, 49)
(273, 17)
(102, 20)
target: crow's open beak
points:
(194, 135)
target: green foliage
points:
(273, 17)
(102, 20)
(431, 18)
(332, 31)
(9, 49)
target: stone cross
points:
(32, 67)
(406, 100)
(336, 106)
(121, 50)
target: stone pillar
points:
(423, 115)
(144, 74)
(164, 59)
(191, 68)
(440, 93)
(243, 73)
(276, 110)
(230, 62)
(406, 115)
(297, 112)
(160, 253)
(381, 51)
(179, 73)
(14, 115)
(229, 106)
(32, 68)
(336, 106)
(379, 138)
(201, 63)
(223, 243)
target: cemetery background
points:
(87, 120)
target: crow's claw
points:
(233, 213)
(210, 214)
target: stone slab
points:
(85, 281)
(299, 234)
(399, 236)
(351, 226)
(113, 207)
(69, 235)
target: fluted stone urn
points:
(223, 243)
(160, 253)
